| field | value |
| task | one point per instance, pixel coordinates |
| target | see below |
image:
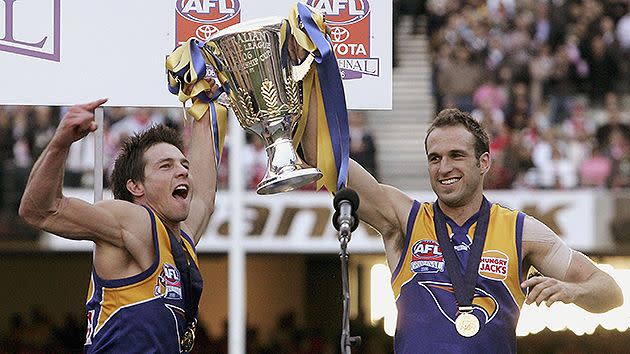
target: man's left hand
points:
(549, 290)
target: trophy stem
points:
(285, 170)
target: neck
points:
(172, 227)
(460, 214)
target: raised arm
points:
(381, 206)
(568, 276)
(204, 176)
(43, 204)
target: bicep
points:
(80, 220)
(545, 250)
(381, 206)
(552, 256)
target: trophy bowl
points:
(252, 64)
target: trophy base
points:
(288, 181)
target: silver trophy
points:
(264, 90)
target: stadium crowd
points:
(548, 79)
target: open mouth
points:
(449, 181)
(181, 191)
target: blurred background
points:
(550, 80)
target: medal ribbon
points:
(192, 283)
(463, 284)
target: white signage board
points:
(300, 222)
(61, 52)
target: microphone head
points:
(346, 194)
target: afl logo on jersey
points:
(342, 12)
(208, 11)
(169, 283)
(426, 257)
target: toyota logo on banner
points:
(204, 32)
(339, 34)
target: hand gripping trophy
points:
(265, 88)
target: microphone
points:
(345, 219)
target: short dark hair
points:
(130, 162)
(451, 117)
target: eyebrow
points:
(450, 152)
(170, 159)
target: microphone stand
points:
(347, 341)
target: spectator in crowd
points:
(517, 159)
(459, 78)
(40, 331)
(519, 110)
(553, 167)
(595, 170)
(612, 121)
(362, 146)
(603, 70)
(80, 160)
(21, 153)
(622, 31)
(6, 155)
(44, 122)
(539, 72)
(138, 120)
(577, 132)
(619, 152)
(489, 92)
(562, 83)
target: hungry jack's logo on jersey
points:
(349, 23)
(494, 265)
(203, 18)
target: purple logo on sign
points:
(25, 36)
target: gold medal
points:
(466, 324)
(188, 340)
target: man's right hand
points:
(76, 123)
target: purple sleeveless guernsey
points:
(143, 313)
(424, 293)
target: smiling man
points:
(145, 285)
(459, 264)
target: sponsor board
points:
(349, 23)
(203, 18)
(31, 28)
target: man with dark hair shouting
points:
(145, 285)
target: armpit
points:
(545, 250)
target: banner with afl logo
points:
(60, 52)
